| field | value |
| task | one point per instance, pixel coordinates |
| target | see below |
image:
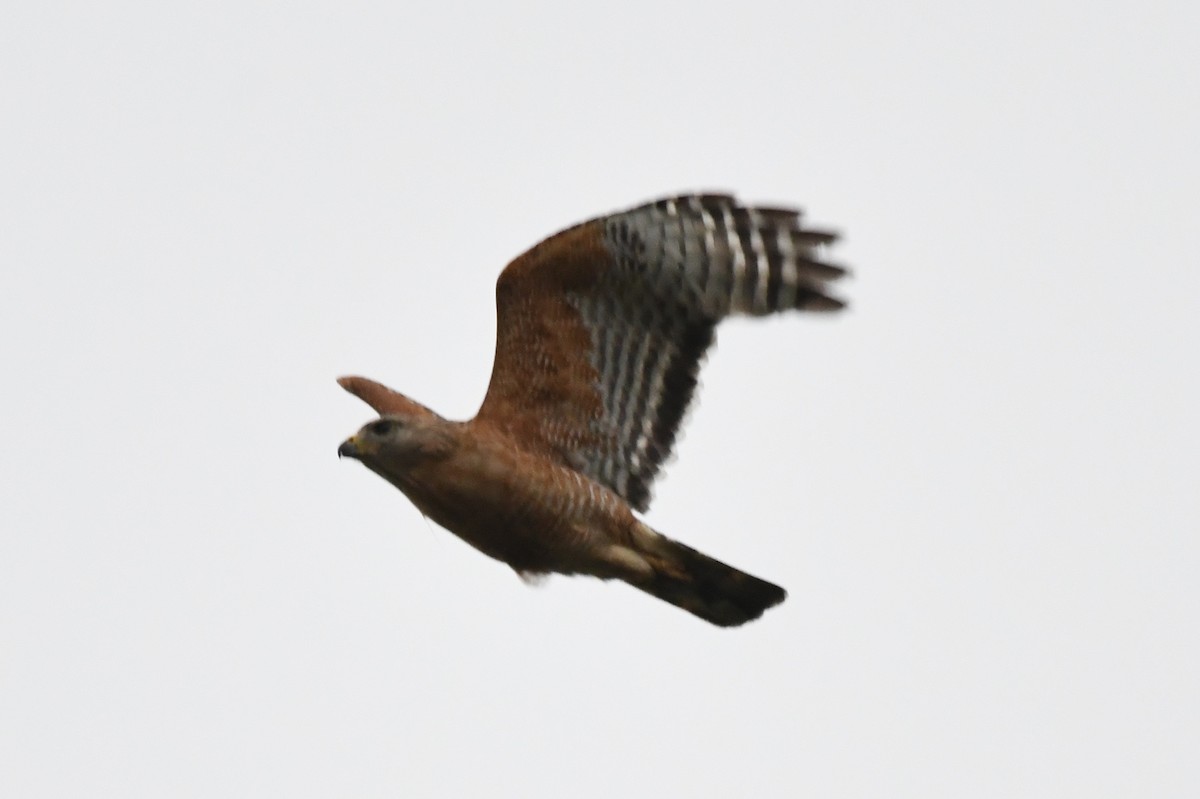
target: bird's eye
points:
(382, 428)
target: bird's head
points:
(406, 435)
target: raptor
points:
(601, 332)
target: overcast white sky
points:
(979, 485)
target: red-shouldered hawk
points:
(600, 335)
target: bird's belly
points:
(532, 522)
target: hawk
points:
(601, 331)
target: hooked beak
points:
(348, 449)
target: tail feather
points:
(703, 586)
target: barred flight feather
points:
(631, 302)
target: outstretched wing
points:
(602, 328)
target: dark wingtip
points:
(810, 300)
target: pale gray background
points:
(979, 484)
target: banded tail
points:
(703, 586)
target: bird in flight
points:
(601, 331)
